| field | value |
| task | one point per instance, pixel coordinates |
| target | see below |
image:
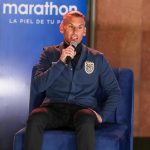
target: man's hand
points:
(69, 51)
(99, 118)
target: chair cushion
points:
(112, 136)
(108, 136)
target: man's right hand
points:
(99, 118)
(69, 51)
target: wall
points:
(123, 35)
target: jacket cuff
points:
(59, 65)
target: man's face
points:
(73, 29)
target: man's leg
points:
(36, 123)
(84, 122)
(40, 119)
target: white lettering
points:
(58, 21)
(50, 21)
(46, 8)
(39, 21)
(53, 7)
(72, 7)
(12, 21)
(63, 7)
(38, 9)
(25, 21)
(12, 8)
(31, 9)
(23, 9)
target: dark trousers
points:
(54, 116)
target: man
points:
(71, 75)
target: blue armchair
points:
(116, 134)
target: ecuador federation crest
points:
(89, 67)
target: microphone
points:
(74, 45)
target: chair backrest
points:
(36, 98)
(124, 111)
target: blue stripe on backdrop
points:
(25, 28)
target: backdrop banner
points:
(26, 26)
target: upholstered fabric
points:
(117, 134)
(108, 136)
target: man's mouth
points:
(74, 37)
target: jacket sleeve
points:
(110, 88)
(48, 70)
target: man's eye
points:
(80, 27)
(70, 26)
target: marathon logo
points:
(48, 8)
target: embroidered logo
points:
(89, 67)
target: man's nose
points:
(75, 29)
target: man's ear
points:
(84, 34)
(61, 28)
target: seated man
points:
(71, 73)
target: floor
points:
(141, 143)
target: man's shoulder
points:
(94, 52)
(52, 48)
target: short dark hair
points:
(73, 13)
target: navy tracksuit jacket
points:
(92, 74)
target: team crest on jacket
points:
(89, 67)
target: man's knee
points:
(37, 116)
(84, 116)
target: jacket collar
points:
(82, 58)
